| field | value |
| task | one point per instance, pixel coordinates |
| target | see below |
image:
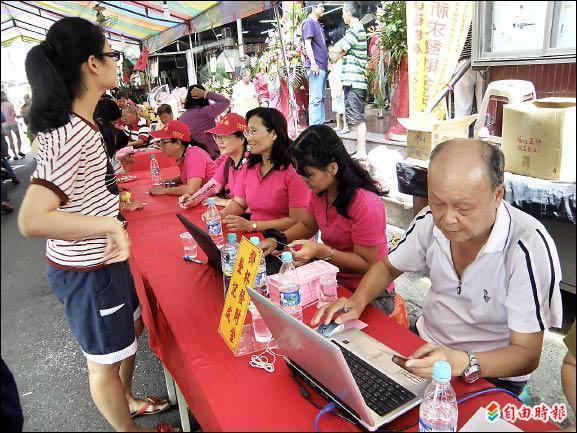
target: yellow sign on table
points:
(237, 299)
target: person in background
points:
(200, 115)
(10, 126)
(123, 100)
(353, 49)
(268, 184)
(347, 208)
(244, 96)
(316, 61)
(6, 205)
(73, 202)
(135, 127)
(338, 96)
(24, 108)
(12, 418)
(494, 273)
(229, 136)
(165, 116)
(6, 167)
(196, 166)
(568, 372)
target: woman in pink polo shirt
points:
(196, 166)
(232, 144)
(346, 207)
(268, 184)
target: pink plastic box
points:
(309, 279)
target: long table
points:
(141, 161)
(182, 304)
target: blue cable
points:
(486, 391)
(329, 407)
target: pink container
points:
(309, 280)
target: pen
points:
(190, 259)
(296, 247)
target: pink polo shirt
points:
(196, 163)
(271, 197)
(366, 226)
(233, 174)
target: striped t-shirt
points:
(354, 44)
(72, 162)
(140, 131)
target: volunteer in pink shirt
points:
(196, 166)
(346, 206)
(268, 185)
(232, 144)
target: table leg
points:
(170, 386)
(182, 409)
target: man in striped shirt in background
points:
(353, 49)
(135, 127)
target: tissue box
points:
(309, 279)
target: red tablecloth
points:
(142, 160)
(182, 304)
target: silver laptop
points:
(351, 368)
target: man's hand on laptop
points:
(422, 360)
(342, 310)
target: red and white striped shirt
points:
(72, 162)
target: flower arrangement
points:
(391, 30)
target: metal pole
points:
(240, 42)
(292, 101)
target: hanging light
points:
(166, 10)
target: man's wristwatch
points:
(473, 372)
(253, 226)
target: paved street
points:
(50, 369)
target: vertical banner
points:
(436, 33)
(237, 299)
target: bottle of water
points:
(261, 332)
(214, 224)
(289, 290)
(439, 411)
(228, 257)
(155, 171)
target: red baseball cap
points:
(229, 124)
(174, 129)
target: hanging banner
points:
(436, 33)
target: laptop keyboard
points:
(381, 393)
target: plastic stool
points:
(508, 91)
(525, 396)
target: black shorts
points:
(354, 105)
(101, 307)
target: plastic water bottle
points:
(439, 410)
(228, 257)
(289, 290)
(155, 171)
(260, 284)
(261, 332)
(214, 224)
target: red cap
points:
(229, 124)
(174, 129)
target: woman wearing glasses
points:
(346, 207)
(229, 137)
(195, 164)
(268, 184)
(73, 201)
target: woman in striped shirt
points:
(73, 202)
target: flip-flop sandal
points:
(165, 427)
(151, 401)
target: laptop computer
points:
(350, 368)
(212, 252)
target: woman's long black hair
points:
(318, 146)
(106, 112)
(191, 102)
(273, 120)
(54, 72)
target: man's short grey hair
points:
(490, 154)
(131, 109)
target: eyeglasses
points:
(114, 54)
(252, 132)
(162, 143)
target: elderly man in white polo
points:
(494, 273)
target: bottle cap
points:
(287, 256)
(442, 371)
(211, 201)
(231, 238)
(255, 240)
(153, 156)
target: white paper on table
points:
(355, 323)
(479, 423)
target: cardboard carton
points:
(538, 138)
(424, 132)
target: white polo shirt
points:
(513, 284)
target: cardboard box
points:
(424, 132)
(538, 138)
